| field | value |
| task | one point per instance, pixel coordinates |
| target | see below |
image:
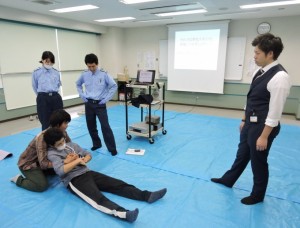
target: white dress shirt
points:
(279, 88)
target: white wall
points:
(132, 41)
(283, 27)
(142, 40)
(112, 57)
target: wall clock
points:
(264, 27)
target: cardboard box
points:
(123, 77)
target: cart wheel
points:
(151, 140)
(164, 132)
(128, 137)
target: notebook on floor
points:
(145, 77)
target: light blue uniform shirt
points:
(44, 80)
(98, 85)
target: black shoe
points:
(114, 153)
(96, 147)
(250, 200)
(219, 181)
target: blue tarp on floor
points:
(195, 148)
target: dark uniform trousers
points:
(93, 109)
(46, 104)
(246, 152)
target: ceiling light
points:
(136, 1)
(76, 8)
(270, 4)
(116, 19)
(180, 13)
(154, 20)
(232, 13)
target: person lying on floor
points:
(70, 163)
(33, 162)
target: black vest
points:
(258, 97)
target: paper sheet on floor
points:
(135, 151)
(4, 154)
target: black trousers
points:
(93, 110)
(46, 104)
(88, 186)
(259, 159)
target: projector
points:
(154, 119)
(140, 127)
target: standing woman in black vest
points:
(260, 125)
(46, 83)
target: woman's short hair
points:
(58, 117)
(48, 55)
(52, 135)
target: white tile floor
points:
(26, 123)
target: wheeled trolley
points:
(151, 127)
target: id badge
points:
(253, 119)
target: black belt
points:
(93, 101)
(48, 93)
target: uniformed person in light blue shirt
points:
(46, 83)
(99, 89)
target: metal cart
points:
(152, 130)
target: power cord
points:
(183, 113)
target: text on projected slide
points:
(197, 50)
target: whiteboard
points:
(234, 58)
(22, 46)
(68, 79)
(18, 91)
(73, 47)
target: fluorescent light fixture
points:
(154, 20)
(75, 8)
(270, 4)
(176, 13)
(136, 1)
(116, 19)
(232, 13)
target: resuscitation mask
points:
(48, 67)
(62, 147)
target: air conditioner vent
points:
(174, 7)
(44, 2)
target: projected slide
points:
(196, 56)
(197, 50)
